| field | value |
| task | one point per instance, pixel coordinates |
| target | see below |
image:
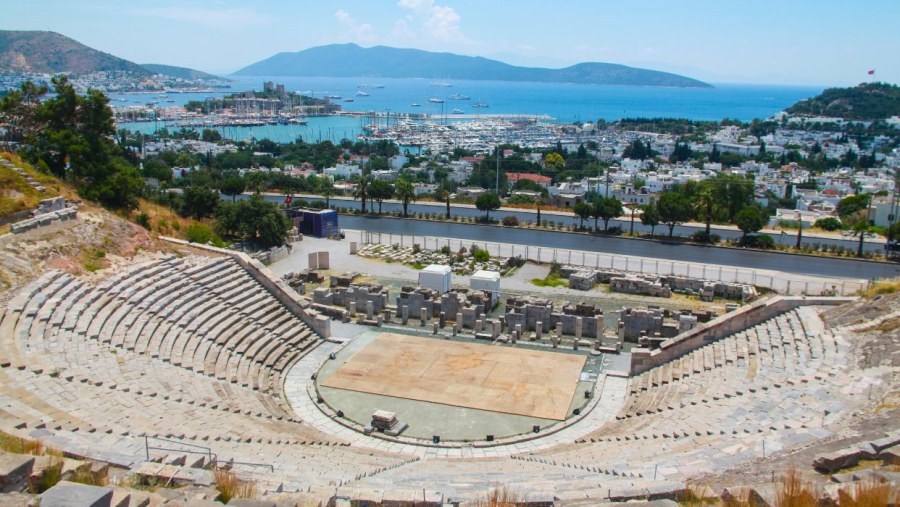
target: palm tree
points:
(704, 200)
(362, 191)
(328, 192)
(539, 202)
(406, 193)
(445, 196)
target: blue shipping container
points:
(322, 223)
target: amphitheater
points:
(198, 355)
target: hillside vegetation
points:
(179, 72)
(867, 101)
(50, 52)
(350, 60)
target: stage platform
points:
(510, 380)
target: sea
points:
(563, 102)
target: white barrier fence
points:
(782, 283)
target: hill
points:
(50, 52)
(180, 72)
(351, 60)
(867, 101)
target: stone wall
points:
(43, 219)
(716, 329)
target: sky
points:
(792, 42)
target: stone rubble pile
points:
(581, 278)
(462, 264)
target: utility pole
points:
(498, 171)
(892, 216)
(799, 229)
(607, 181)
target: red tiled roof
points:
(537, 178)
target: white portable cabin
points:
(487, 281)
(436, 277)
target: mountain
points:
(180, 72)
(50, 52)
(350, 60)
(866, 101)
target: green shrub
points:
(829, 224)
(198, 233)
(480, 255)
(143, 220)
(510, 221)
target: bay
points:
(562, 101)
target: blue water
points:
(564, 102)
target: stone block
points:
(70, 494)
(14, 468)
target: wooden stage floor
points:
(500, 379)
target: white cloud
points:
(429, 21)
(231, 19)
(353, 30)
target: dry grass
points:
(230, 486)
(84, 475)
(499, 497)
(868, 494)
(49, 477)
(17, 445)
(880, 287)
(16, 194)
(794, 491)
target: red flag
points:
(871, 72)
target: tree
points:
(406, 192)
(444, 195)
(673, 209)
(829, 224)
(582, 152)
(607, 208)
(71, 135)
(650, 217)
(362, 191)
(255, 220)
(256, 181)
(327, 190)
(681, 152)
(538, 203)
(583, 211)
(379, 190)
(749, 220)
(233, 186)
(487, 202)
(554, 161)
(852, 204)
(860, 230)
(199, 202)
(703, 202)
(732, 193)
(211, 136)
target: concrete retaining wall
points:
(298, 305)
(716, 329)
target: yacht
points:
(457, 96)
(480, 104)
(415, 105)
(457, 111)
(441, 84)
(436, 101)
(361, 93)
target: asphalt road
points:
(529, 216)
(677, 251)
